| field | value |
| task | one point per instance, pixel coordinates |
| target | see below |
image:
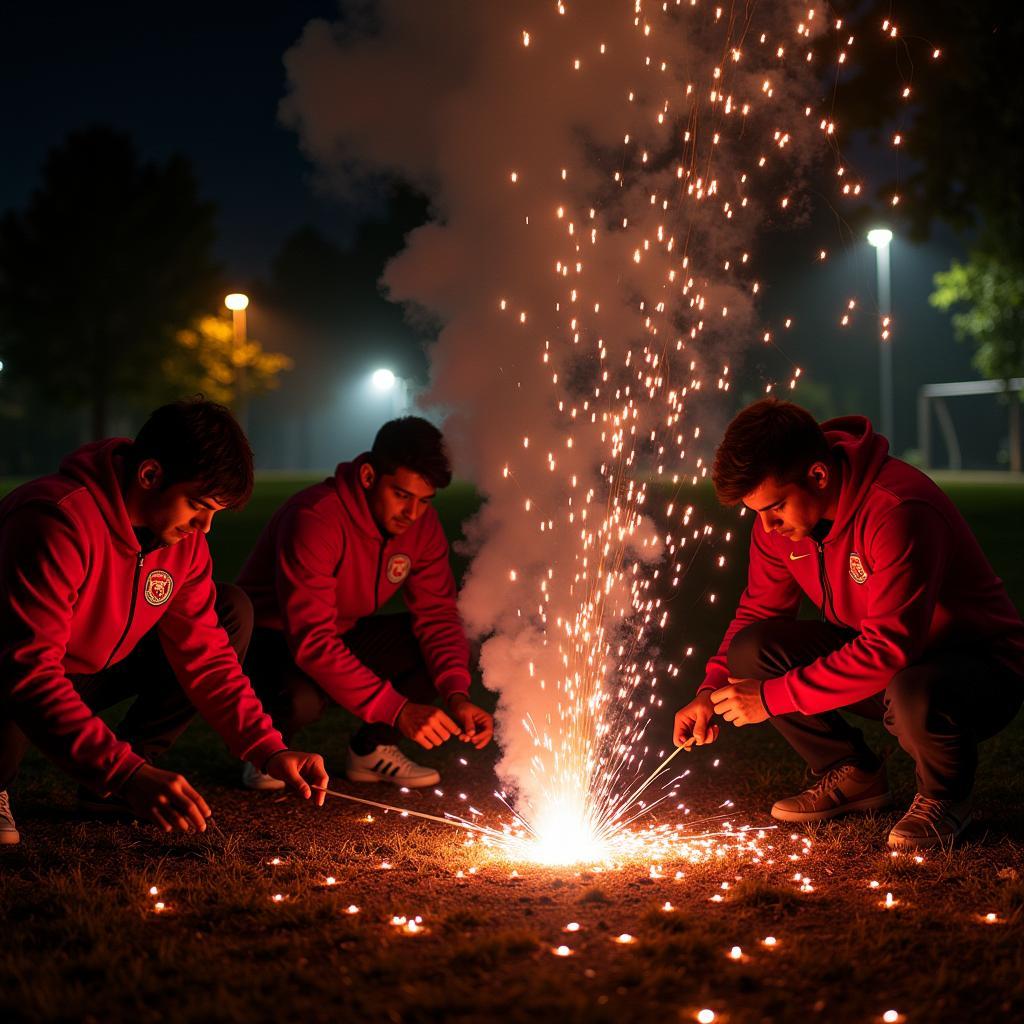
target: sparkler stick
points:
(454, 822)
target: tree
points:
(110, 258)
(992, 289)
(206, 359)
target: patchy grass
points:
(83, 940)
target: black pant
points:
(938, 709)
(385, 644)
(161, 711)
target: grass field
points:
(83, 940)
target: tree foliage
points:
(991, 287)
(206, 359)
(110, 258)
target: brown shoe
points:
(931, 822)
(842, 790)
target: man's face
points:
(396, 499)
(177, 511)
(792, 510)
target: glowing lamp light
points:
(706, 1017)
(879, 237)
(383, 379)
(236, 301)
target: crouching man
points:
(106, 593)
(330, 557)
(914, 627)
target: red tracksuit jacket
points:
(321, 564)
(899, 565)
(78, 594)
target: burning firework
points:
(600, 174)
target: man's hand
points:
(477, 724)
(166, 798)
(693, 722)
(301, 772)
(427, 725)
(740, 702)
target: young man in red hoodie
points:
(330, 558)
(911, 620)
(106, 593)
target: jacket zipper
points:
(827, 600)
(139, 559)
(376, 579)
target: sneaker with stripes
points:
(389, 764)
(8, 830)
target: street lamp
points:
(238, 303)
(879, 239)
(383, 379)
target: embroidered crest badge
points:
(857, 571)
(159, 584)
(398, 568)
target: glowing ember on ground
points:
(562, 951)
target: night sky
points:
(206, 80)
(202, 79)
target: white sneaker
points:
(389, 764)
(253, 778)
(8, 830)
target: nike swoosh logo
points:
(796, 558)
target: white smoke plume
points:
(599, 174)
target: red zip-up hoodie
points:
(78, 594)
(322, 563)
(899, 565)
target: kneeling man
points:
(330, 557)
(914, 627)
(106, 593)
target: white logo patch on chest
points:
(857, 571)
(159, 584)
(398, 568)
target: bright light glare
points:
(879, 237)
(383, 380)
(563, 835)
(236, 301)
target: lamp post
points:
(238, 303)
(880, 238)
(385, 382)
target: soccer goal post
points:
(934, 397)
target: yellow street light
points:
(237, 302)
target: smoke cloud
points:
(599, 174)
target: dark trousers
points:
(161, 711)
(385, 644)
(938, 709)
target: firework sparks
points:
(602, 179)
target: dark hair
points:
(412, 443)
(195, 440)
(769, 439)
